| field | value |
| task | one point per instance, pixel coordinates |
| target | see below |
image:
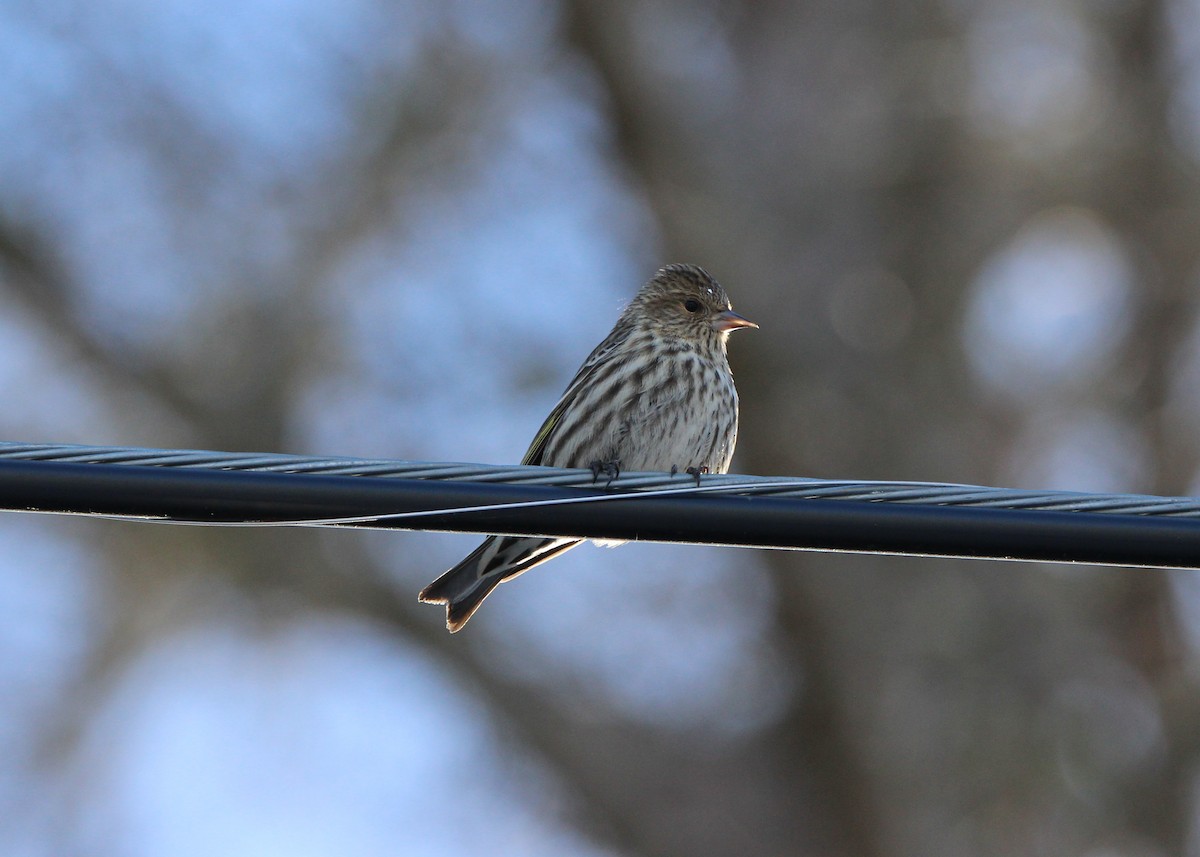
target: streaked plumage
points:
(656, 394)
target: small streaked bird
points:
(656, 394)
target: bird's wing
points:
(538, 447)
(594, 360)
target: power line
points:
(929, 519)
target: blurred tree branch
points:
(355, 197)
(38, 281)
(1151, 197)
(809, 742)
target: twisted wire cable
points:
(909, 518)
(921, 493)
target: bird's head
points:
(685, 302)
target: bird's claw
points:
(695, 471)
(611, 469)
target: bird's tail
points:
(463, 588)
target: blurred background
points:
(381, 228)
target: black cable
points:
(186, 494)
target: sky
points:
(324, 736)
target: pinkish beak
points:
(728, 320)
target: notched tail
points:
(461, 589)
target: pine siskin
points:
(656, 394)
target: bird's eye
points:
(691, 305)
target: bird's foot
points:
(696, 471)
(611, 469)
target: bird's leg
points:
(611, 469)
(674, 469)
(697, 471)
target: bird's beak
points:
(728, 320)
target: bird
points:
(656, 394)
